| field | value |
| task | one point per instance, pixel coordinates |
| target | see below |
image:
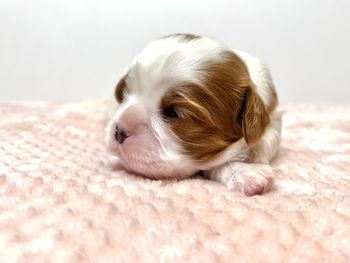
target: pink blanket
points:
(63, 199)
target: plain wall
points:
(72, 49)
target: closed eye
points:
(170, 113)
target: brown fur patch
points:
(274, 100)
(120, 89)
(255, 117)
(217, 112)
(184, 36)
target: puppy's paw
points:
(247, 178)
(252, 179)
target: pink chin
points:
(140, 154)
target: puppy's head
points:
(185, 102)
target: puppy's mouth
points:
(139, 152)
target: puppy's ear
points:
(120, 89)
(255, 117)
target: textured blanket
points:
(64, 199)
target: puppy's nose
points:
(120, 134)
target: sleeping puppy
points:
(188, 104)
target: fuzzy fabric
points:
(63, 199)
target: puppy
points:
(187, 104)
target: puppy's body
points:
(188, 103)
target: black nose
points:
(120, 135)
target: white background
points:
(72, 49)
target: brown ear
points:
(255, 117)
(120, 89)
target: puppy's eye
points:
(170, 113)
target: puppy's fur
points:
(189, 104)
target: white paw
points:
(248, 178)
